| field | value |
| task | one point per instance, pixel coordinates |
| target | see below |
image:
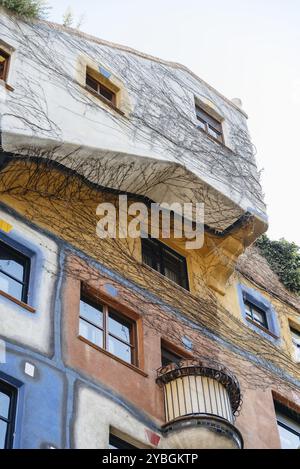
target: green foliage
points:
(284, 259)
(26, 8)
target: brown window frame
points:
(109, 311)
(209, 122)
(101, 86)
(159, 253)
(7, 57)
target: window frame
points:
(282, 411)
(12, 393)
(87, 298)
(158, 259)
(122, 444)
(247, 294)
(26, 263)
(252, 306)
(6, 64)
(100, 84)
(209, 122)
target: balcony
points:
(201, 400)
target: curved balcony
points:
(201, 400)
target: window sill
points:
(99, 349)
(6, 85)
(267, 331)
(215, 140)
(103, 100)
(18, 302)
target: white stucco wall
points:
(47, 69)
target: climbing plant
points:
(26, 8)
(284, 259)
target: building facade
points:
(132, 341)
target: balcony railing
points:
(200, 392)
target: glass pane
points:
(91, 83)
(258, 316)
(3, 430)
(10, 265)
(202, 124)
(119, 349)
(118, 327)
(106, 93)
(4, 405)
(214, 133)
(91, 333)
(10, 286)
(92, 314)
(288, 439)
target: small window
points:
(209, 124)
(166, 261)
(108, 329)
(256, 314)
(14, 272)
(4, 64)
(116, 443)
(7, 415)
(296, 343)
(104, 91)
(168, 356)
(288, 422)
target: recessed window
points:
(288, 422)
(104, 91)
(256, 314)
(4, 64)
(108, 329)
(7, 415)
(14, 272)
(168, 356)
(166, 261)
(209, 124)
(296, 343)
(117, 443)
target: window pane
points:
(4, 405)
(288, 439)
(92, 314)
(10, 286)
(3, 64)
(259, 316)
(119, 349)
(10, 265)
(202, 124)
(106, 93)
(91, 333)
(168, 357)
(3, 431)
(118, 327)
(91, 83)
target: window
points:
(7, 415)
(104, 91)
(209, 124)
(256, 314)
(4, 64)
(108, 329)
(166, 261)
(288, 422)
(14, 272)
(168, 356)
(296, 343)
(117, 443)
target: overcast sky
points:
(244, 48)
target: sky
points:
(248, 49)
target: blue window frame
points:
(258, 313)
(8, 400)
